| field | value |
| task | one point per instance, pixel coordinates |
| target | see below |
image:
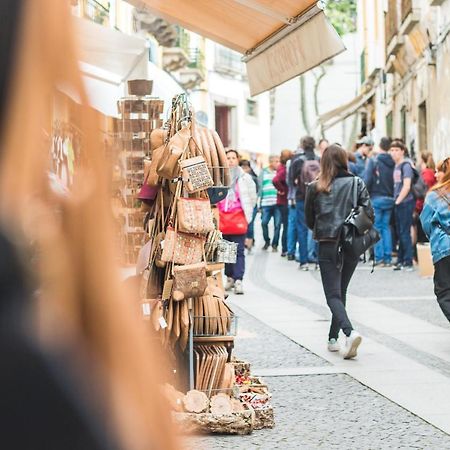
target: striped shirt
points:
(267, 190)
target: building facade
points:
(409, 69)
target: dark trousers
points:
(284, 212)
(302, 231)
(442, 285)
(237, 270)
(403, 222)
(335, 281)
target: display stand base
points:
(237, 423)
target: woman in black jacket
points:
(328, 202)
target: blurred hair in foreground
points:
(66, 242)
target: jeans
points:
(442, 284)
(292, 230)
(335, 283)
(251, 225)
(403, 221)
(284, 212)
(313, 247)
(302, 231)
(267, 213)
(237, 270)
(383, 207)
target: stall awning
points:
(331, 118)
(280, 40)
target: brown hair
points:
(285, 156)
(307, 143)
(334, 159)
(81, 300)
(443, 166)
(230, 150)
(427, 158)
(397, 143)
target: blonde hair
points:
(81, 300)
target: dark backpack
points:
(310, 171)
(419, 188)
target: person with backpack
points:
(363, 148)
(304, 169)
(378, 177)
(329, 201)
(403, 177)
(435, 218)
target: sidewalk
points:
(322, 400)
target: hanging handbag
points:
(195, 174)
(226, 252)
(233, 222)
(190, 280)
(168, 166)
(194, 215)
(217, 194)
(358, 233)
(182, 248)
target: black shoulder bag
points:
(358, 233)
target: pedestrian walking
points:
(304, 169)
(279, 181)
(404, 204)
(250, 238)
(363, 148)
(236, 212)
(268, 204)
(379, 180)
(435, 218)
(329, 201)
(292, 238)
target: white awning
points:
(280, 40)
(331, 118)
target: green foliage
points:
(342, 14)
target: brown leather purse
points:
(190, 280)
(194, 215)
(168, 166)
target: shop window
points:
(423, 133)
(252, 108)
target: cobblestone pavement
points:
(395, 290)
(279, 351)
(319, 411)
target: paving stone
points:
(331, 411)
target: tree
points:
(342, 15)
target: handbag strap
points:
(355, 192)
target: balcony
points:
(228, 62)
(177, 56)
(97, 11)
(410, 10)
(194, 74)
(165, 33)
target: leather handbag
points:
(233, 222)
(217, 194)
(190, 280)
(182, 248)
(195, 174)
(194, 215)
(358, 233)
(168, 166)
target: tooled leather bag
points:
(190, 279)
(194, 215)
(182, 248)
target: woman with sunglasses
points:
(435, 220)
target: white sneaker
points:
(238, 288)
(229, 284)
(333, 345)
(352, 344)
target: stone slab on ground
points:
(331, 411)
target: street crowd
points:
(309, 195)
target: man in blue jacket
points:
(378, 177)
